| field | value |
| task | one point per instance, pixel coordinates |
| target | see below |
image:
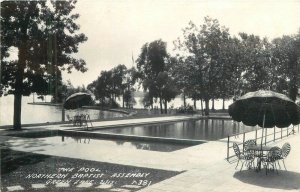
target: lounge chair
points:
(245, 157)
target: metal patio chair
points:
(249, 143)
(271, 159)
(244, 157)
(285, 151)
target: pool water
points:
(204, 129)
(82, 143)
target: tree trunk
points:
(20, 74)
(166, 107)
(184, 100)
(17, 111)
(201, 106)
(123, 100)
(206, 107)
(195, 105)
(160, 103)
(102, 103)
(213, 105)
(19, 88)
(151, 100)
(55, 71)
(223, 107)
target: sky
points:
(117, 29)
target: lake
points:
(178, 102)
(45, 113)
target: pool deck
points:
(205, 166)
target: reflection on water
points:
(94, 144)
(206, 129)
(44, 113)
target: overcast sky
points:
(117, 29)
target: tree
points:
(114, 83)
(64, 90)
(129, 80)
(231, 69)
(286, 61)
(256, 61)
(166, 88)
(152, 61)
(102, 87)
(186, 79)
(204, 46)
(118, 76)
(45, 35)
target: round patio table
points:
(259, 153)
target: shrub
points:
(188, 109)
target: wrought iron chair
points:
(249, 143)
(244, 157)
(285, 150)
(271, 159)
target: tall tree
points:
(204, 45)
(166, 88)
(256, 59)
(286, 61)
(152, 61)
(45, 35)
(103, 87)
(129, 81)
(231, 69)
(118, 78)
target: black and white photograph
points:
(150, 95)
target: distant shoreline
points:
(45, 103)
(85, 107)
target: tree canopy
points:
(44, 33)
(153, 65)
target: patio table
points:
(259, 153)
(79, 119)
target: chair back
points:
(274, 154)
(248, 143)
(285, 150)
(236, 150)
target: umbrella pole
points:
(262, 131)
(262, 136)
(63, 111)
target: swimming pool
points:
(201, 129)
(75, 141)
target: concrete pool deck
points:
(112, 123)
(205, 166)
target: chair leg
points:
(284, 164)
(242, 165)
(250, 164)
(278, 164)
(237, 164)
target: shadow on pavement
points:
(283, 180)
(13, 160)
